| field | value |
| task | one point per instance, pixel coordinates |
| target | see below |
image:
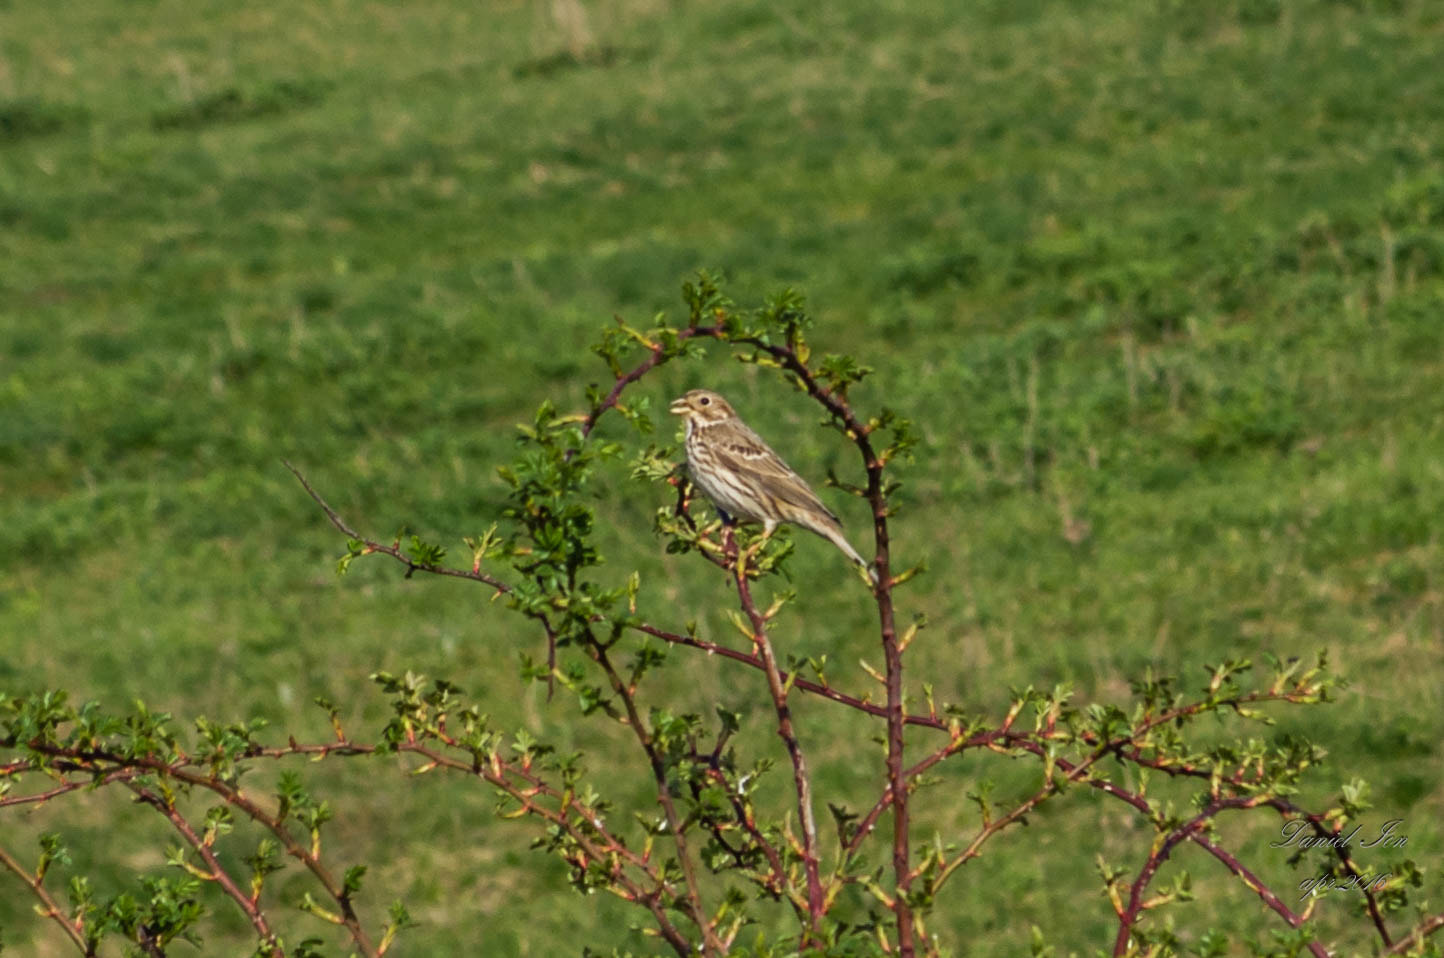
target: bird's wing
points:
(743, 451)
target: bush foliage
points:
(736, 855)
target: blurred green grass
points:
(1160, 283)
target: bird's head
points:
(702, 407)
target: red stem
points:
(49, 907)
(801, 779)
(711, 944)
(837, 405)
(219, 875)
(895, 795)
(1193, 830)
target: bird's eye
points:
(705, 401)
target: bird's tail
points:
(836, 537)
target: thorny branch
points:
(589, 847)
(216, 872)
(711, 944)
(1194, 829)
(837, 405)
(801, 778)
(594, 842)
(899, 776)
(48, 907)
(1252, 881)
(1415, 938)
(1001, 737)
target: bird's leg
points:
(729, 537)
(684, 499)
(729, 544)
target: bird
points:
(746, 480)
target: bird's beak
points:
(679, 407)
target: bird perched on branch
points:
(745, 479)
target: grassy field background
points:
(1162, 285)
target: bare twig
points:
(394, 551)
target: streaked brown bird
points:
(745, 479)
